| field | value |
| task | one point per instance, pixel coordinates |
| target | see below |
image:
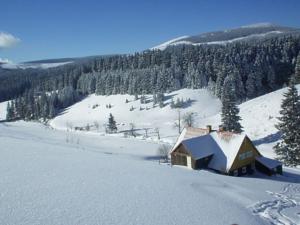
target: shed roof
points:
(269, 163)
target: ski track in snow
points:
(273, 210)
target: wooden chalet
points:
(225, 152)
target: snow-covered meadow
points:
(93, 109)
(259, 115)
(53, 176)
(56, 177)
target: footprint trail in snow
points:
(283, 209)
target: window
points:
(245, 155)
(242, 156)
(249, 154)
(235, 173)
(244, 169)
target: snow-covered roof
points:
(189, 132)
(223, 145)
(269, 163)
(200, 147)
(229, 144)
(179, 139)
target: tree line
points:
(255, 68)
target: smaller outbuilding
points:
(268, 166)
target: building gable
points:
(246, 155)
(229, 144)
(180, 150)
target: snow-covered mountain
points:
(41, 64)
(244, 33)
(11, 65)
(46, 63)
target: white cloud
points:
(4, 61)
(8, 40)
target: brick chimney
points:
(208, 127)
(221, 129)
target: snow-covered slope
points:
(170, 42)
(3, 106)
(10, 65)
(259, 115)
(55, 177)
(50, 176)
(202, 103)
(244, 33)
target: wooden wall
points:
(178, 156)
(246, 146)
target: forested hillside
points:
(257, 67)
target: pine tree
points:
(143, 99)
(136, 97)
(160, 99)
(230, 110)
(172, 104)
(288, 149)
(154, 99)
(10, 111)
(297, 69)
(112, 127)
(250, 86)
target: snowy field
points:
(259, 115)
(53, 176)
(3, 106)
(56, 177)
(93, 109)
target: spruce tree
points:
(297, 70)
(112, 127)
(172, 104)
(230, 110)
(288, 149)
(10, 111)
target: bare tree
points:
(146, 132)
(163, 152)
(178, 121)
(69, 125)
(132, 128)
(77, 142)
(189, 119)
(97, 125)
(157, 133)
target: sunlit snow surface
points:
(51, 176)
(57, 177)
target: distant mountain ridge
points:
(243, 33)
(47, 63)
